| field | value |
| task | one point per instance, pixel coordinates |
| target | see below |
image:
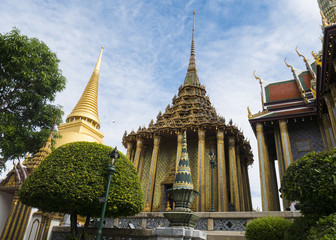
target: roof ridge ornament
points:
(290, 66)
(261, 90)
(300, 55)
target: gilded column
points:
(46, 230)
(248, 190)
(152, 173)
(264, 169)
(201, 175)
(223, 203)
(328, 131)
(330, 106)
(138, 152)
(234, 192)
(245, 186)
(129, 150)
(333, 93)
(179, 148)
(281, 161)
(240, 180)
(43, 220)
(142, 161)
(287, 150)
(10, 220)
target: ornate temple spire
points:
(328, 11)
(87, 106)
(183, 174)
(192, 76)
(34, 162)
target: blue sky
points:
(147, 48)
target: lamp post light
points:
(213, 164)
(110, 171)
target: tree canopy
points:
(73, 177)
(311, 180)
(29, 80)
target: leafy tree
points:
(29, 80)
(73, 176)
(311, 180)
(325, 229)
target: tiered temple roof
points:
(291, 98)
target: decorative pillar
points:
(201, 172)
(275, 189)
(281, 161)
(138, 152)
(330, 106)
(248, 189)
(333, 92)
(142, 161)
(43, 220)
(264, 169)
(223, 203)
(240, 181)
(328, 131)
(245, 186)
(179, 149)
(152, 173)
(129, 150)
(287, 150)
(234, 192)
(46, 230)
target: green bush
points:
(311, 180)
(72, 177)
(325, 229)
(267, 228)
(300, 228)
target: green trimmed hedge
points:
(267, 228)
(311, 180)
(72, 177)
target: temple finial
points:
(261, 90)
(300, 55)
(87, 106)
(192, 76)
(291, 67)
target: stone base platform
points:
(169, 233)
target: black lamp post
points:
(213, 164)
(110, 171)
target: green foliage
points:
(29, 81)
(300, 228)
(311, 180)
(267, 228)
(325, 229)
(72, 177)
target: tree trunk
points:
(86, 225)
(73, 224)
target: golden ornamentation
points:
(324, 19)
(317, 59)
(249, 113)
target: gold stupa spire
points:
(192, 76)
(87, 106)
